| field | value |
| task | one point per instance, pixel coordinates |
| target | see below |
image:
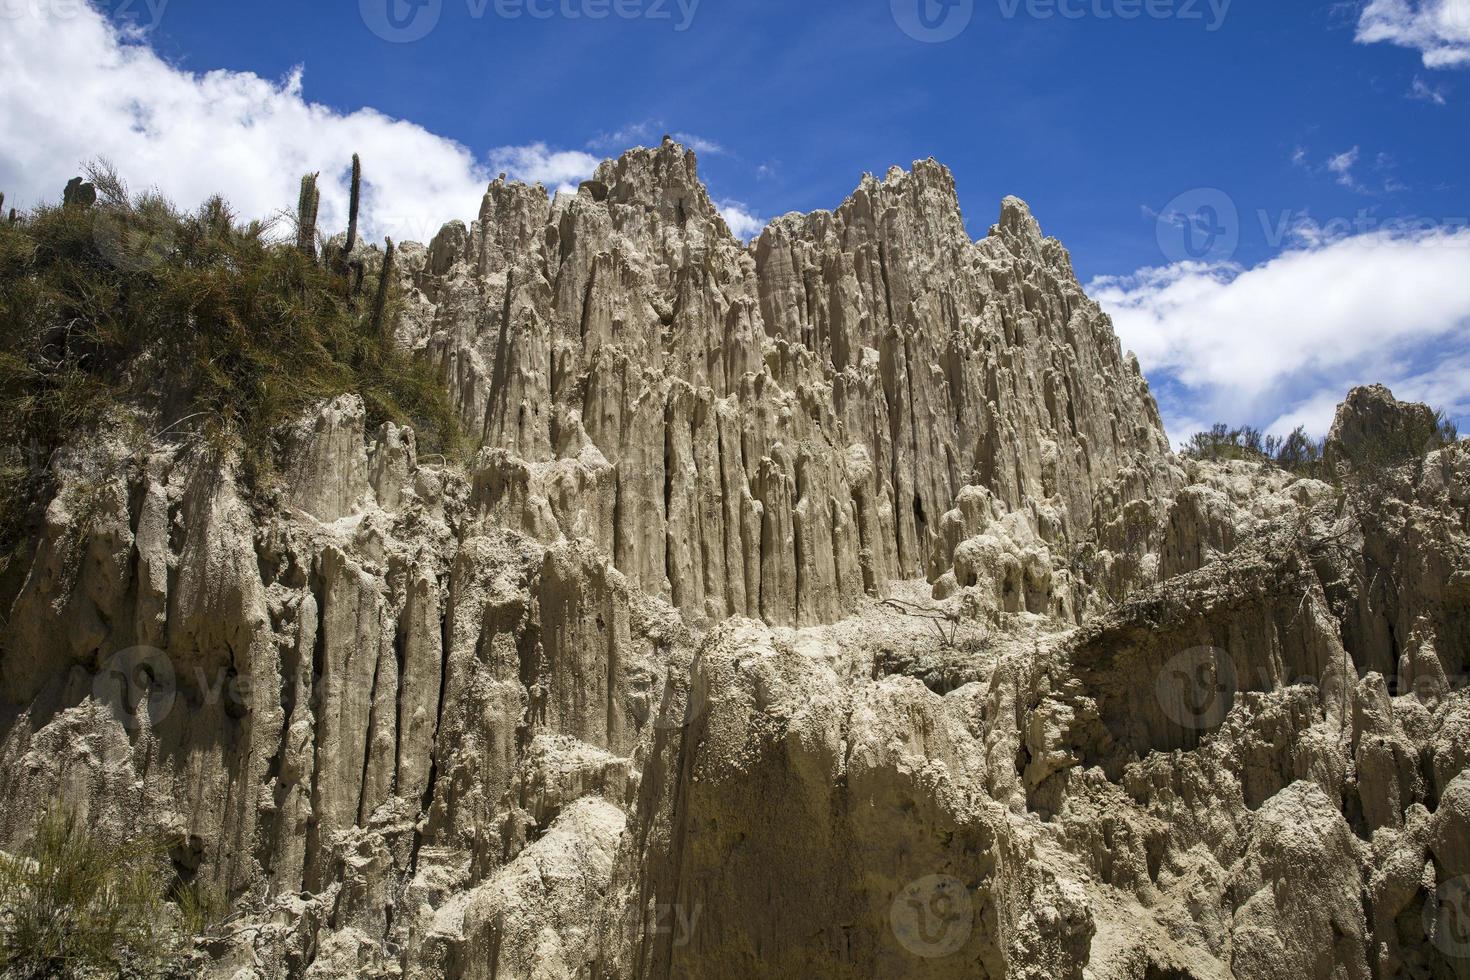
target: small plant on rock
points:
(74, 906)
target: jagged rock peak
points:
(1373, 428)
(1372, 412)
(664, 181)
(664, 178)
(726, 389)
(1016, 221)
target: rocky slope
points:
(829, 606)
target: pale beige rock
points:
(328, 472)
(826, 607)
(1301, 867)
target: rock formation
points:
(830, 606)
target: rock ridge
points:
(808, 406)
(827, 606)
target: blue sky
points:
(1316, 123)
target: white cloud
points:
(1344, 170)
(633, 134)
(558, 170)
(743, 224)
(1422, 91)
(699, 144)
(1282, 339)
(1316, 411)
(75, 89)
(79, 88)
(1342, 166)
(1438, 29)
(1344, 162)
(651, 131)
(1441, 386)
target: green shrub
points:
(72, 905)
(1415, 433)
(1298, 452)
(113, 299)
(1222, 442)
(201, 908)
(1419, 433)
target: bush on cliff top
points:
(210, 324)
(1301, 454)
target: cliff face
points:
(771, 431)
(830, 606)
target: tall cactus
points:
(352, 208)
(380, 305)
(306, 209)
(79, 193)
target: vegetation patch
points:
(72, 905)
(215, 327)
(1301, 454)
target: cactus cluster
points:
(342, 262)
(79, 193)
(307, 206)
